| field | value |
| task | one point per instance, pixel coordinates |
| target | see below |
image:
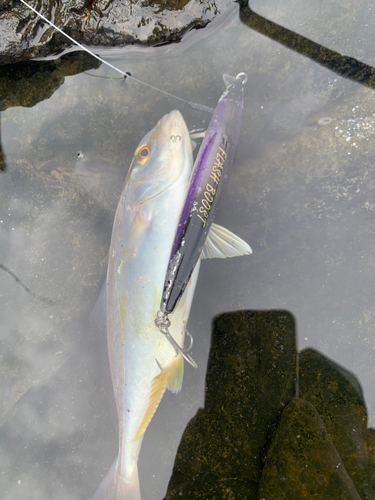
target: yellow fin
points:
(171, 378)
(176, 375)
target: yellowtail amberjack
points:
(143, 362)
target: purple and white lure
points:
(210, 172)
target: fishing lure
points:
(209, 176)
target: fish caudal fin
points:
(116, 487)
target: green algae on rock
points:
(337, 396)
(26, 84)
(370, 444)
(302, 461)
(250, 378)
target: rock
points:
(370, 443)
(118, 22)
(302, 462)
(250, 378)
(337, 396)
(26, 84)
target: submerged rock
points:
(26, 84)
(244, 444)
(115, 23)
(250, 378)
(322, 448)
(337, 396)
(370, 444)
(302, 461)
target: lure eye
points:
(142, 153)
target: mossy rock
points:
(337, 396)
(302, 461)
(26, 84)
(250, 379)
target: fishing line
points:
(126, 75)
(100, 76)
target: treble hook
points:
(163, 323)
(187, 349)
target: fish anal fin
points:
(222, 243)
(170, 377)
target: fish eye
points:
(142, 153)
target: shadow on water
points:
(255, 438)
(344, 66)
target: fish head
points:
(163, 156)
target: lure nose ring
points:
(242, 76)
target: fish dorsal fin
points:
(228, 79)
(222, 243)
(169, 377)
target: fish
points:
(143, 363)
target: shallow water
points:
(301, 192)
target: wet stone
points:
(302, 461)
(250, 379)
(337, 396)
(26, 84)
(370, 443)
(115, 23)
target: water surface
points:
(301, 193)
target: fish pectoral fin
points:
(170, 377)
(222, 243)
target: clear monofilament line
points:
(192, 104)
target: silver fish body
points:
(143, 362)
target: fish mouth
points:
(172, 130)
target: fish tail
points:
(116, 487)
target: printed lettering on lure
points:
(210, 191)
